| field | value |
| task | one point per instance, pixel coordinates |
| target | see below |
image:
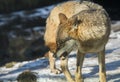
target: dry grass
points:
(27, 76)
(10, 64)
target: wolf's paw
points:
(56, 71)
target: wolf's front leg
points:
(64, 67)
(78, 75)
(52, 64)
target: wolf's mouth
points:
(66, 49)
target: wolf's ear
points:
(62, 18)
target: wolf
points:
(73, 25)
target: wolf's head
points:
(67, 27)
(66, 34)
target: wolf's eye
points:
(60, 44)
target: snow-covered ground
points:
(90, 67)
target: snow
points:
(43, 12)
(116, 24)
(39, 12)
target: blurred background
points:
(22, 26)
